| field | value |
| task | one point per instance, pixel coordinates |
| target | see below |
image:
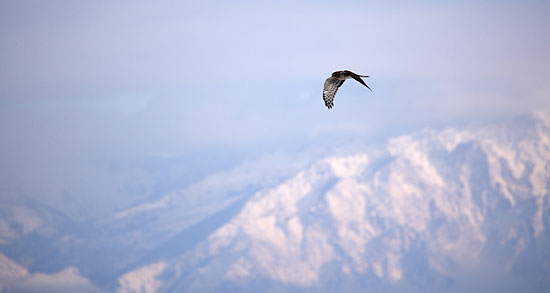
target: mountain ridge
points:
(435, 189)
(427, 211)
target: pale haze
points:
(185, 146)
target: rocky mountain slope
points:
(459, 210)
(430, 209)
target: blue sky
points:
(87, 87)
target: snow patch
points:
(143, 280)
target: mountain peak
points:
(443, 195)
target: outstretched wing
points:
(331, 87)
(358, 78)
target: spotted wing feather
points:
(331, 87)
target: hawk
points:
(335, 81)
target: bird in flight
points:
(335, 81)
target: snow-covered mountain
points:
(429, 209)
(457, 210)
